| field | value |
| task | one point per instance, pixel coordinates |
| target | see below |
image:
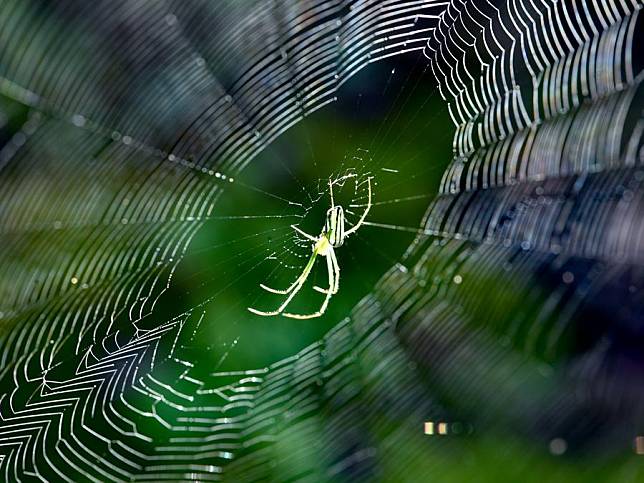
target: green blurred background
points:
(388, 116)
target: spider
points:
(332, 236)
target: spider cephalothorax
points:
(332, 236)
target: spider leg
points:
(355, 227)
(337, 181)
(304, 234)
(294, 284)
(336, 272)
(334, 268)
(334, 279)
(329, 267)
(293, 289)
(341, 179)
(277, 290)
(314, 315)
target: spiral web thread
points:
(100, 207)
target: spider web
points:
(494, 292)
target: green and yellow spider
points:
(332, 236)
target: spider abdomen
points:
(334, 226)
